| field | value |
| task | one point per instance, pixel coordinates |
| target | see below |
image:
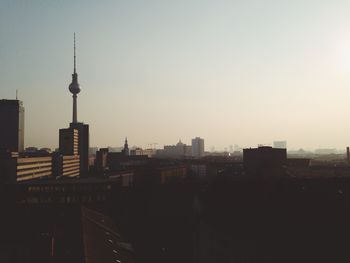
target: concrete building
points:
(15, 168)
(197, 147)
(176, 151)
(12, 125)
(280, 144)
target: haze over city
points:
(242, 72)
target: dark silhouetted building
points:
(12, 125)
(126, 150)
(101, 160)
(68, 141)
(298, 162)
(264, 161)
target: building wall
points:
(33, 168)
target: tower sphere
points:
(74, 87)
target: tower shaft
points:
(75, 109)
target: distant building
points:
(326, 151)
(93, 150)
(177, 151)
(264, 161)
(126, 150)
(136, 151)
(101, 160)
(115, 149)
(280, 144)
(117, 161)
(197, 147)
(150, 152)
(12, 125)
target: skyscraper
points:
(197, 147)
(12, 125)
(83, 129)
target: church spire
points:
(126, 147)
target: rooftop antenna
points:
(74, 55)
(16, 94)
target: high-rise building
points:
(68, 141)
(280, 144)
(83, 129)
(12, 125)
(83, 146)
(197, 147)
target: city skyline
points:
(162, 80)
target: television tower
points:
(74, 88)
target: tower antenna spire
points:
(74, 56)
(16, 94)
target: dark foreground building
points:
(12, 125)
(264, 161)
(240, 220)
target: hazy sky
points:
(233, 72)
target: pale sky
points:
(242, 72)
